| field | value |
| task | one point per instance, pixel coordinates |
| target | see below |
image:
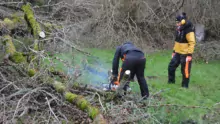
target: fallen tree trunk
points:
(31, 21)
(79, 101)
(11, 52)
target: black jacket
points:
(123, 51)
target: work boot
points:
(171, 82)
(127, 88)
(143, 99)
(185, 82)
(184, 85)
(132, 80)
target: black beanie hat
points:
(181, 17)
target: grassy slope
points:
(204, 85)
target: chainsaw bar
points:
(109, 87)
(122, 87)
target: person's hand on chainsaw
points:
(113, 78)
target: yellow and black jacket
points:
(185, 39)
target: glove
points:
(173, 54)
(188, 58)
(113, 78)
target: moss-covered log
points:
(82, 104)
(14, 56)
(15, 23)
(60, 87)
(9, 23)
(29, 17)
(17, 57)
(33, 24)
(78, 100)
(10, 48)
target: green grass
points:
(204, 87)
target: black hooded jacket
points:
(128, 51)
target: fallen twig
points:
(100, 102)
(10, 83)
(135, 119)
(48, 103)
(181, 106)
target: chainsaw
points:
(120, 87)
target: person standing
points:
(183, 50)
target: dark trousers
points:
(136, 65)
(185, 69)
